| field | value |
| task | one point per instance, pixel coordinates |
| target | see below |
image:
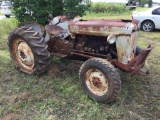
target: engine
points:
(92, 44)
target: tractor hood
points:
(103, 27)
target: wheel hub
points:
(147, 26)
(25, 54)
(97, 82)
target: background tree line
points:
(37, 10)
(143, 2)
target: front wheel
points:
(28, 50)
(100, 80)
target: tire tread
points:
(111, 70)
(37, 45)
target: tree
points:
(37, 10)
(143, 2)
(76, 7)
(149, 3)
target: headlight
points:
(111, 39)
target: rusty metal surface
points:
(126, 46)
(134, 21)
(59, 19)
(136, 64)
(58, 45)
(56, 24)
(125, 34)
(96, 82)
(23, 54)
(101, 27)
(62, 18)
(81, 54)
(54, 29)
(91, 55)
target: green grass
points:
(106, 15)
(142, 8)
(58, 94)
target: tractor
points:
(104, 45)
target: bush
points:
(37, 10)
(108, 8)
(73, 8)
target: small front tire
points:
(100, 80)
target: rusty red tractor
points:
(103, 45)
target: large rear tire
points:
(100, 80)
(28, 50)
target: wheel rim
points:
(23, 54)
(147, 26)
(96, 82)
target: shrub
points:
(37, 10)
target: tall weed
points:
(7, 25)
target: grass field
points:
(58, 94)
(104, 15)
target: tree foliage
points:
(76, 7)
(37, 10)
(150, 3)
(143, 2)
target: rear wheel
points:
(28, 50)
(148, 26)
(100, 80)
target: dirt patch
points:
(68, 68)
(16, 98)
(53, 70)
